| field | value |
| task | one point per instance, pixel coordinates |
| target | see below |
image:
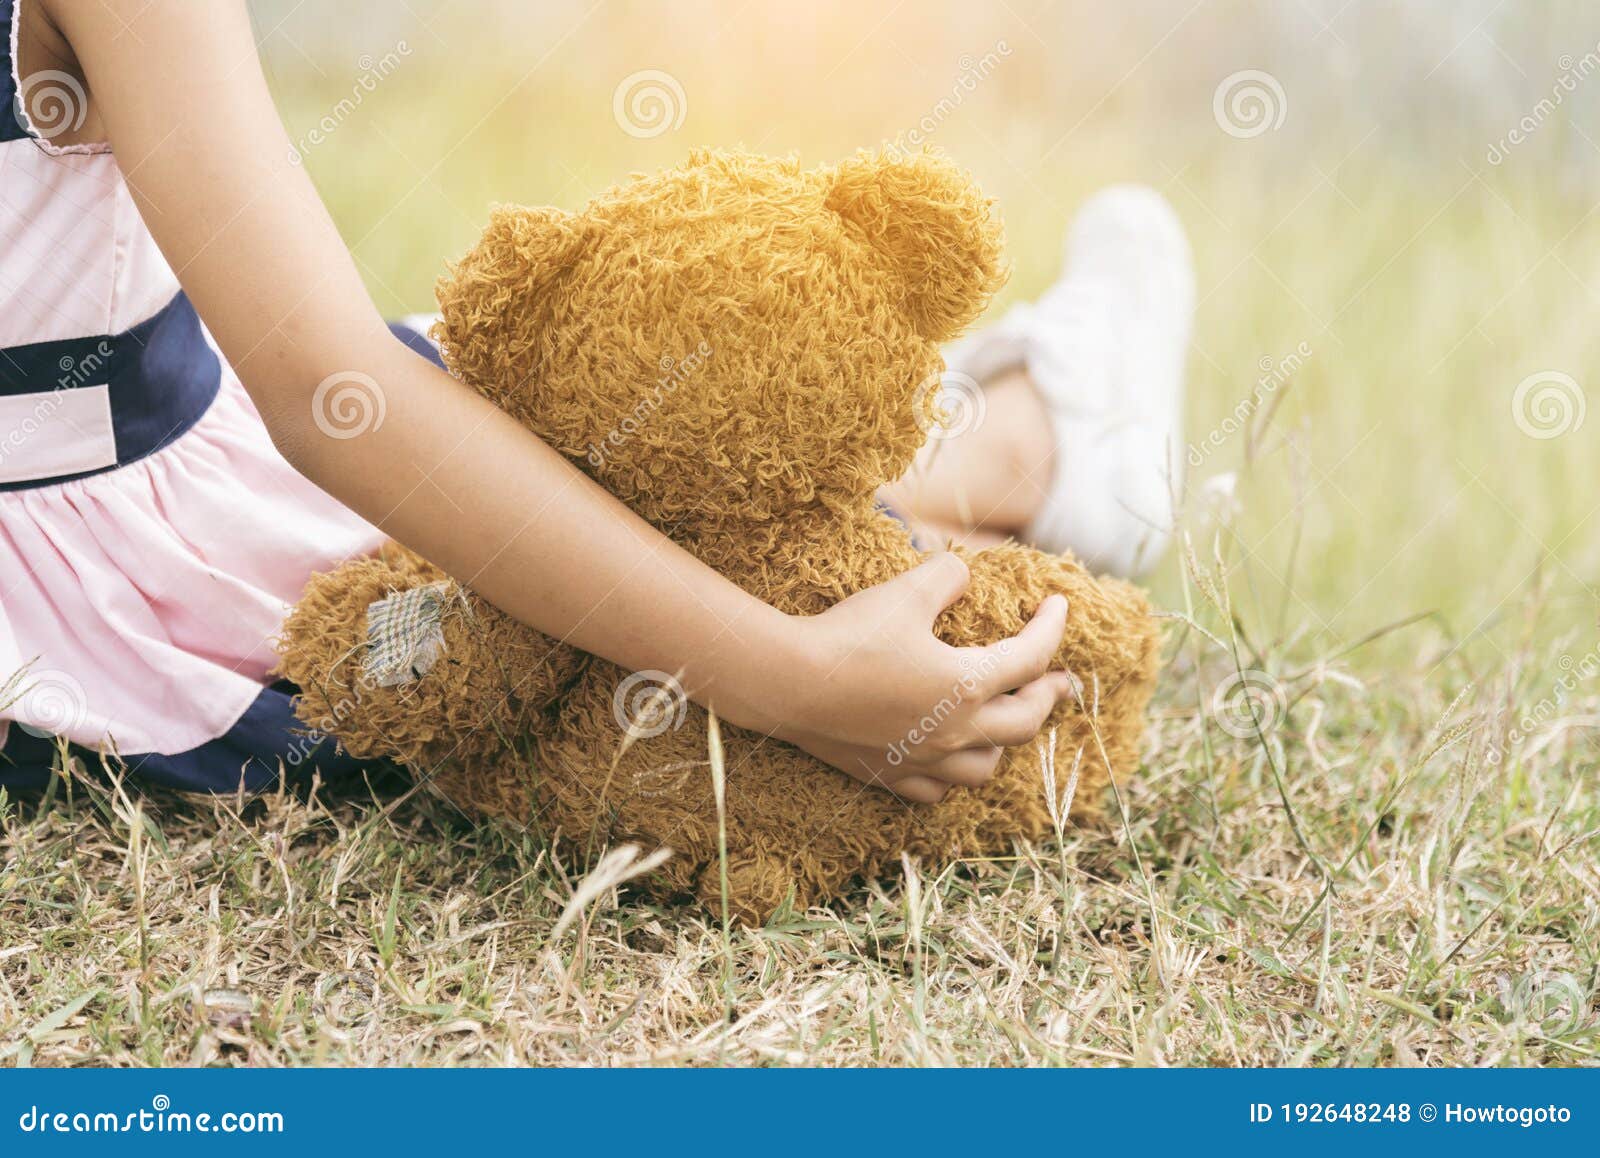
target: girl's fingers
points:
(972, 768)
(1016, 718)
(939, 580)
(919, 789)
(1026, 656)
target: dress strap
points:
(10, 127)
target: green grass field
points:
(1366, 824)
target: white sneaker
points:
(1106, 347)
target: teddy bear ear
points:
(494, 302)
(929, 223)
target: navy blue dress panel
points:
(267, 738)
(417, 342)
(162, 375)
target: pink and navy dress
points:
(151, 537)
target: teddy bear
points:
(743, 351)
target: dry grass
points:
(1398, 899)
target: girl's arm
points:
(177, 87)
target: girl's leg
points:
(988, 484)
(1079, 444)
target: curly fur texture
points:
(741, 350)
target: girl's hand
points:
(879, 697)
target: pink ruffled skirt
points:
(138, 606)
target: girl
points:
(177, 306)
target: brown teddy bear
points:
(741, 350)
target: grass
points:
(1359, 883)
(1364, 830)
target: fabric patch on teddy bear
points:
(405, 634)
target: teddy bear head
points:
(807, 307)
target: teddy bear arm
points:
(1111, 636)
(490, 679)
(1111, 646)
